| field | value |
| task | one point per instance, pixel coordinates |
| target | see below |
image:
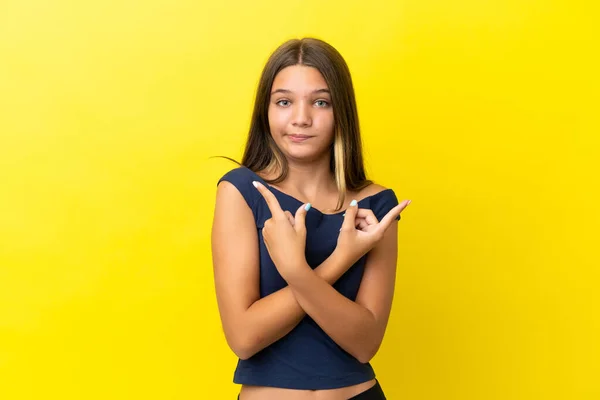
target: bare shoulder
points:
(370, 190)
(226, 191)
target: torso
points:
(272, 393)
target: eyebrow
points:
(289, 91)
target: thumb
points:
(350, 216)
(300, 217)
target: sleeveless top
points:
(306, 358)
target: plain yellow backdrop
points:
(484, 113)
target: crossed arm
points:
(251, 323)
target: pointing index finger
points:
(271, 200)
(386, 221)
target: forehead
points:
(299, 78)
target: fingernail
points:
(255, 184)
(353, 203)
(408, 202)
(307, 206)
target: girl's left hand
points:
(284, 234)
(365, 220)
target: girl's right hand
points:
(361, 231)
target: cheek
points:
(326, 124)
(277, 119)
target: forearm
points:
(274, 316)
(352, 326)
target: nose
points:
(301, 115)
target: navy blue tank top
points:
(306, 358)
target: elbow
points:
(243, 354)
(365, 357)
(366, 353)
(243, 348)
(370, 345)
(241, 339)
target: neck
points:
(310, 180)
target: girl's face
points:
(301, 114)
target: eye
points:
(321, 103)
(283, 103)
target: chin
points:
(303, 155)
(300, 155)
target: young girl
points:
(304, 246)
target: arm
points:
(358, 327)
(250, 323)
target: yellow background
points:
(484, 113)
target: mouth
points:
(298, 138)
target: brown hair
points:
(261, 152)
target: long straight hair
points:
(261, 152)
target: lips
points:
(299, 138)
